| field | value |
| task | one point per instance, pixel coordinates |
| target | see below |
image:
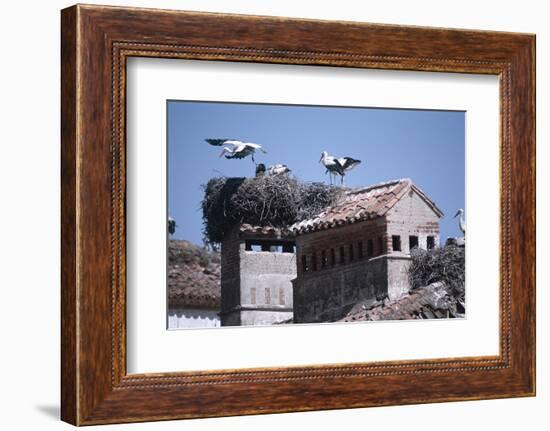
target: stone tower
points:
(257, 266)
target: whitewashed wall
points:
(188, 318)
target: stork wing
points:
(240, 147)
(348, 162)
(220, 142)
(255, 146)
(240, 151)
(334, 165)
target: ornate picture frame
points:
(96, 41)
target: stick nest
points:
(275, 201)
(444, 264)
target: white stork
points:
(338, 166)
(278, 169)
(233, 149)
(461, 220)
(331, 164)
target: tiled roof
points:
(430, 302)
(265, 230)
(362, 204)
(193, 281)
(191, 287)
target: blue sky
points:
(426, 146)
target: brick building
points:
(360, 248)
(257, 266)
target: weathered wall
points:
(265, 278)
(230, 273)
(318, 294)
(398, 276)
(412, 216)
(264, 317)
(256, 287)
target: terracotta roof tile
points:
(191, 281)
(265, 230)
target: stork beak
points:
(321, 159)
(456, 215)
(221, 154)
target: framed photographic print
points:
(280, 206)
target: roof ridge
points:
(363, 203)
(379, 185)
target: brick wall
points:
(412, 217)
(357, 236)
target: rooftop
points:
(362, 204)
(193, 276)
(265, 231)
(430, 302)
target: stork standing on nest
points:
(338, 166)
(461, 221)
(233, 149)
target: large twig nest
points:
(277, 201)
(446, 264)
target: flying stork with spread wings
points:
(234, 149)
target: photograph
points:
(303, 214)
(262, 211)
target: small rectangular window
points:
(332, 257)
(314, 261)
(267, 295)
(342, 256)
(370, 248)
(288, 248)
(413, 242)
(380, 245)
(253, 295)
(430, 242)
(304, 264)
(281, 296)
(396, 242)
(323, 259)
(351, 256)
(360, 249)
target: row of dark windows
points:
(355, 251)
(328, 257)
(413, 242)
